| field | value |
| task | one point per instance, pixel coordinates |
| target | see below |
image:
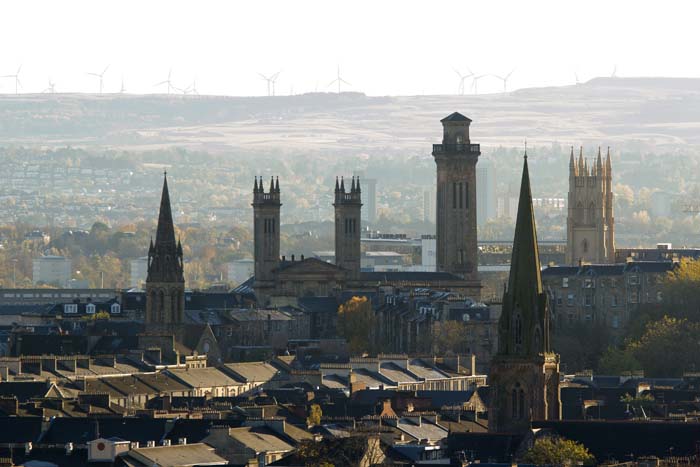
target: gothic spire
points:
(337, 186)
(352, 187)
(165, 233)
(357, 184)
(255, 185)
(580, 161)
(342, 185)
(599, 164)
(277, 184)
(572, 163)
(272, 184)
(608, 164)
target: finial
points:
(337, 185)
(525, 148)
(342, 184)
(277, 184)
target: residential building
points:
(52, 270)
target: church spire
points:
(572, 163)
(599, 164)
(165, 233)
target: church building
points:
(524, 377)
(590, 225)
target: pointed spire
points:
(337, 186)
(608, 164)
(580, 161)
(165, 233)
(272, 184)
(599, 164)
(525, 276)
(277, 184)
(357, 185)
(255, 186)
(572, 163)
(352, 187)
(342, 185)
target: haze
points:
(383, 48)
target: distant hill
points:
(640, 112)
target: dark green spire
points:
(524, 322)
(165, 233)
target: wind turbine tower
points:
(505, 80)
(168, 81)
(100, 76)
(462, 78)
(338, 80)
(18, 84)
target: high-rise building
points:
(165, 281)
(485, 195)
(54, 270)
(348, 213)
(590, 225)
(370, 191)
(138, 269)
(429, 206)
(456, 159)
(524, 378)
(266, 230)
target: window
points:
(613, 301)
(633, 280)
(115, 308)
(565, 282)
(634, 297)
(589, 283)
(570, 299)
(560, 301)
(70, 308)
(90, 308)
(518, 329)
(461, 197)
(615, 322)
(588, 300)
(584, 246)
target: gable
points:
(308, 266)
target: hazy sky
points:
(383, 47)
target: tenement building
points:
(280, 281)
(524, 377)
(590, 225)
(604, 294)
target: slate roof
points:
(82, 430)
(456, 117)
(408, 276)
(20, 429)
(610, 269)
(179, 455)
(318, 304)
(204, 377)
(253, 371)
(24, 390)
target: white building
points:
(485, 195)
(55, 270)
(241, 270)
(138, 272)
(428, 255)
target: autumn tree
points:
(448, 337)
(315, 414)
(356, 323)
(558, 451)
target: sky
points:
(383, 47)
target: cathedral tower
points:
(348, 210)
(590, 225)
(524, 378)
(266, 230)
(456, 160)
(165, 282)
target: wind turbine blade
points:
(343, 81)
(332, 82)
(105, 70)
(161, 83)
(19, 69)
(511, 72)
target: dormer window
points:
(115, 308)
(70, 308)
(90, 308)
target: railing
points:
(460, 147)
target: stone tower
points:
(590, 225)
(266, 231)
(165, 282)
(456, 160)
(524, 378)
(348, 210)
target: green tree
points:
(558, 451)
(448, 337)
(616, 361)
(668, 348)
(356, 324)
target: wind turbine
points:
(475, 83)
(101, 76)
(274, 80)
(122, 89)
(16, 77)
(576, 76)
(51, 87)
(505, 80)
(462, 77)
(167, 81)
(614, 73)
(269, 82)
(339, 80)
(192, 88)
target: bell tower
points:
(524, 377)
(165, 282)
(266, 231)
(456, 160)
(348, 210)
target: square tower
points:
(348, 210)
(456, 160)
(266, 230)
(590, 225)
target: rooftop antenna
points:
(462, 78)
(505, 80)
(51, 88)
(475, 83)
(167, 81)
(100, 76)
(16, 77)
(338, 80)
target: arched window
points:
(584, 245)
(521, 404)
(161, 307)
(518, 329)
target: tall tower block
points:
(590, 225)
(456, 160)
(266, 230)
(165, 281)
(348, 211)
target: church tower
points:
(165, 282)
(348, 210)
(456, 160)
(524, 378)
(590, 225)
(266, 231)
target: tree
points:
(681, 290)
(448, 337)
(616, 361)
(356, 323)
(315, 414)
(558, 451)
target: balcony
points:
(456, 148)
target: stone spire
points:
(165, 233)
(608, 165)
(599, 164)
(524, 299)
(572, 163)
